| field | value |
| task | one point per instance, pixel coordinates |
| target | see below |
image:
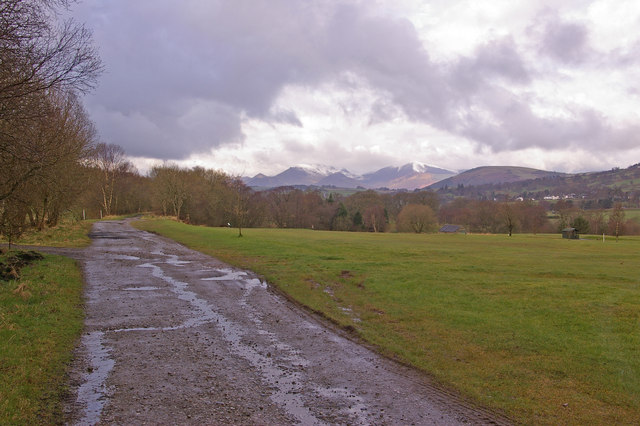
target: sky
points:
(257, 86)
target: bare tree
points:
(616, 220)
(280, 206)
(38, 54)
(65, 134)
(171, 188)
(53, 146)
(510, 216)
(239, 203)
(596, 221)
(374, 218)
(12, 219)
(417, 218)
(110, 160)
(39, 59)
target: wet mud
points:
(176, 337)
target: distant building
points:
(452, 229)
(570, 233)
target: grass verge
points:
(544, 329)
(40, 320)
(66, 234)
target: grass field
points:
(40, 320)
(544, 329)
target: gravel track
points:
(173, 336)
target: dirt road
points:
(176, 337)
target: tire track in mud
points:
(174, 336)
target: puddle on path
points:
(124, 257)
(282, 374)
(172, 258)
(147, 288)
(93, 393)
(285, 382)
(229, 275)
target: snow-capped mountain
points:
(409, 176)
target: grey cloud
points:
(162, 59)
(497, 59)
(566, 41)
(562, 40)
(242, 54)
(181, 76)
(390, 56)
(501, 58)
(512, 125)
(382, 111)
(196, 130)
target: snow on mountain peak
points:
(419, 167)
(318, 169)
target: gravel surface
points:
(177, 337)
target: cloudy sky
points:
(251, 86)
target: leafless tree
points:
(52, 147)
(111, 161)
(239, 203)
(616, 220)
(280, 206)
(509, 214)
(171, 188)
(417, 218)
(374, 218)
(40, 61)
(38, 54)
(12, 219)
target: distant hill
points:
(340, 180)
(410, 176)
(492, 175)
(592, 189)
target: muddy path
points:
(176, 337)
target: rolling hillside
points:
(491, 175)
(595, 189)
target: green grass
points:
(544, 329)
(39, 325)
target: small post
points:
(84, 217)
(603, 237)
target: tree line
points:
(213, 198)
(45, 133)
(106, 183)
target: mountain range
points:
(484, 182)
(409, 176)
